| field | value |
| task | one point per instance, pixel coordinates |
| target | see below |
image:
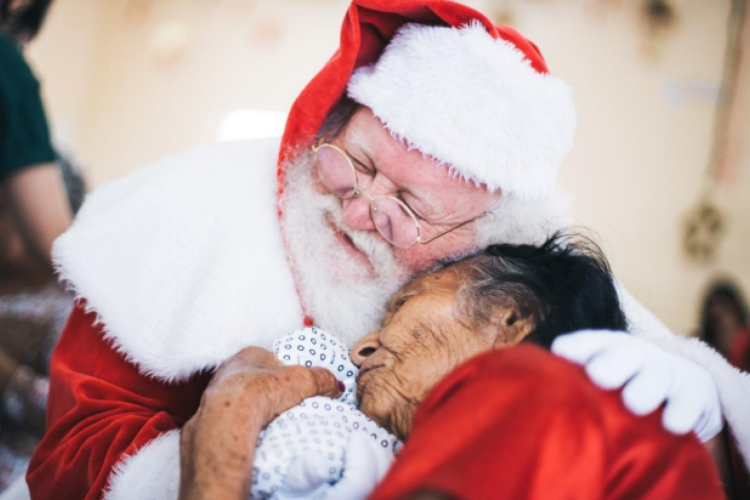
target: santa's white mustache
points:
(372, 245)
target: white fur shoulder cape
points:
(183, 260)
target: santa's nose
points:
(357, 214)
(364, 347)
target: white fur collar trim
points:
(151, 473)
(183, 260)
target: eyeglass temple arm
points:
(450, 230)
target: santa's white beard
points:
(342, 295)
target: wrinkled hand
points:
(366, 464)
(217, 445)
(651, 376)
(255, 378)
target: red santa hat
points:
(439, 75)
(474, 103)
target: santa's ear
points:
(509, 326)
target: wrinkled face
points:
(438, 198)
(345, 270)
(423, 338)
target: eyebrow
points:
(356, 138)
(356, 160)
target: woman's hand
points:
(217, 445)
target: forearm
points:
(216, 454)
(39, 205)
(249, 390)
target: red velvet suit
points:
(521, 424)
(100, 410)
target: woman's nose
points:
(364, 347)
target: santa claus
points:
(430, 134)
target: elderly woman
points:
(481, 419)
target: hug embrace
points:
(410, 212)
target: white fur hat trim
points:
(473, 103)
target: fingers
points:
(648, 390)
(257, 357)
(602, 354)
(692, 396)
(710, 424)
(652, 376)
(580, 347)
(326, 383)
(682, 414)
(611, 368)
(248, 360)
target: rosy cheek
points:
(415, 259)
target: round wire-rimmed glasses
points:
(395, 220)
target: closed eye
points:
(371, 172)
(361, 167)
(398, 303)
(400, 196)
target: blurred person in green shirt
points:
(34, 211)
(31, 184)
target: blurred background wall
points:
(128, 81)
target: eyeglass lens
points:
(393, 222)
(335, 172)
(391, 219)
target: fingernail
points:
(341, 386)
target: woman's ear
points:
(509, 327)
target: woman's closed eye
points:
(398, 303)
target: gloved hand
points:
(366, 464)
(651, 376)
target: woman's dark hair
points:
(726, 291)
(27, 21)
(562, 286)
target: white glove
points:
(651, 376)
(366, 464)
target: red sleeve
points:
(520, 423)
(100, 410)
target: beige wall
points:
(636, 168)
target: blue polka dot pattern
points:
(313, 347)
(318, 427)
